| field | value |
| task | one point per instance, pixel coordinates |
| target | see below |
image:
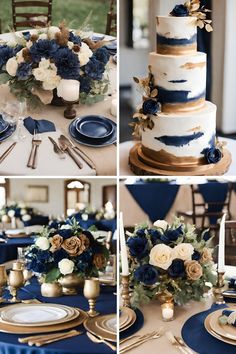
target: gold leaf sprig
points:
(220, 144)
(200, 12)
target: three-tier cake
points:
(177, 125)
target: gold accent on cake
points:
(183, 107)
(157, 21)
(195, 129)
(190, 66)
(165, 49)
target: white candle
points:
(221, 251)
(69, 90)
(123, 248)
(167, 311)
(114, 107)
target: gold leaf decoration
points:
(200, 24)
(136, 79)
(154, 93)
(208, 27)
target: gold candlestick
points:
(125, 290)
(3, 281)
(219, 289)
(91, 292)
(15, 281)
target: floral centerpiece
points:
(170, 259)
(16, 210)
(65, 248)
(36, 62)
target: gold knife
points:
(7, 152)
(57, 149)
(66, 148)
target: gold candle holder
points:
(91, 292)
(70, 112)
(125, 290)
(219, 289)
(15, 281)
(3, 281)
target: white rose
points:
(52, 31)
(11, 213)
(29, 44)
(4, 218)
(26, 217)
(183, 251)
(66, 266)
(42, 243)
(161, 223)
(161, 256)
(40, 74)
(19, 57)
(44, 63)
(12, 43)
(12, 66)
(52, 81)
(23, 212)
(84, 54)
(70, 44)
(43, 36)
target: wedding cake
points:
(176, 124)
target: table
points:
(8, 250)
(49, 163)
(106, 304)
(126, 146)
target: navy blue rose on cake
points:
(180, 11)
(212, 154)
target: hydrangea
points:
(59, 255)
(102, 55)
(95, 69)
(5, 54)
(24, 71)
(75, 39)
(85, 84)
(43, 48)
(67, 64)
(84, 261)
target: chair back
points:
(230, 242)
(26, 14)
(111, 26)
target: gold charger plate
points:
(227, 331)
(216, 335)
(71, 314)
(126, 315)
(91, 326)
(6, 328)
(101, 323)
(133, 316)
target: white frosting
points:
(172, 124)
(176, 27)
(166, 68)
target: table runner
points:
(154, 198)
(8, 251)
(76, 345)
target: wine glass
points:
(14, 113)
(15, 282)
(91, 292)
(3, 281)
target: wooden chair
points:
(23, 18)
(200, 209)
(230, 242)
(0, 26)
(111, 19)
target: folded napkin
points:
(39, 126)
(232, 283)
(228, 317)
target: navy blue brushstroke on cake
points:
(179, 140)
(176, 96)
(177, 81)
(175, 41)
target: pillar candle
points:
(69, 90)
(124, 253)
(221, 252)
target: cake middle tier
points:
(181, 80)
(181, 138)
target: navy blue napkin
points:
(39, 126)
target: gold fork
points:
(146, 338)
(36, 141)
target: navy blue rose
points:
(146, 274)
(94, 69)
(138, 247)
(213, 155)
(84, 261)
(43, 48)
(171, 235)
(140, 232)
(65, 233)
(67, 64)
(54, 224)
(85, 84)
(75, 39)
(196, 256)
(102, 55)
(59, 255)
(24, 71)
(177, 268)
(37, 266)
(206, 236)
(180, 11)
(155, 236)
(150, 106)
(5, 54)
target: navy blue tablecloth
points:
(104, 225)
(37, 220)
(154, 198)
(106, 304)
(8, 251)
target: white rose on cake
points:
(42, 243)
(12, 66)
(66, 266)
(162, 224)
(183, 251)
(26, 217)
(84, 54)
(161, 256)
(11, 213)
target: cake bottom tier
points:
(181, 139)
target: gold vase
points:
(164, 297)
(71, 284)
(51, 289)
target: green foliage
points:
(52, 275)
(4, 78)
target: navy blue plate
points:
(94, 127)
(138, 324)
(3, 124)
(97, 37)
(89, 141)
(8, 132)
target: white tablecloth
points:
(126, 146)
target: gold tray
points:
(6, 328)
(91, 326)
(216, 335)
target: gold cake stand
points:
(142, 165)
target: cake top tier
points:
(176, 35)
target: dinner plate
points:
(130, 323)
(91, 325)
(37, 315)
(214, 334)
(227, 330)
(107, 323)
(126, 316)
(3, 124)
(91, 142)
(94, 127)
(8, 132)
(6, 328)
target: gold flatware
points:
(156, 335)
(98, 339)
(64, 147)
(36, 141)
(57, 149)
(42, 336)
(140, 339)
(7, 152)
(173, 341)
(135, 336)
(78, 151)
(182, 343)
(39, 343)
